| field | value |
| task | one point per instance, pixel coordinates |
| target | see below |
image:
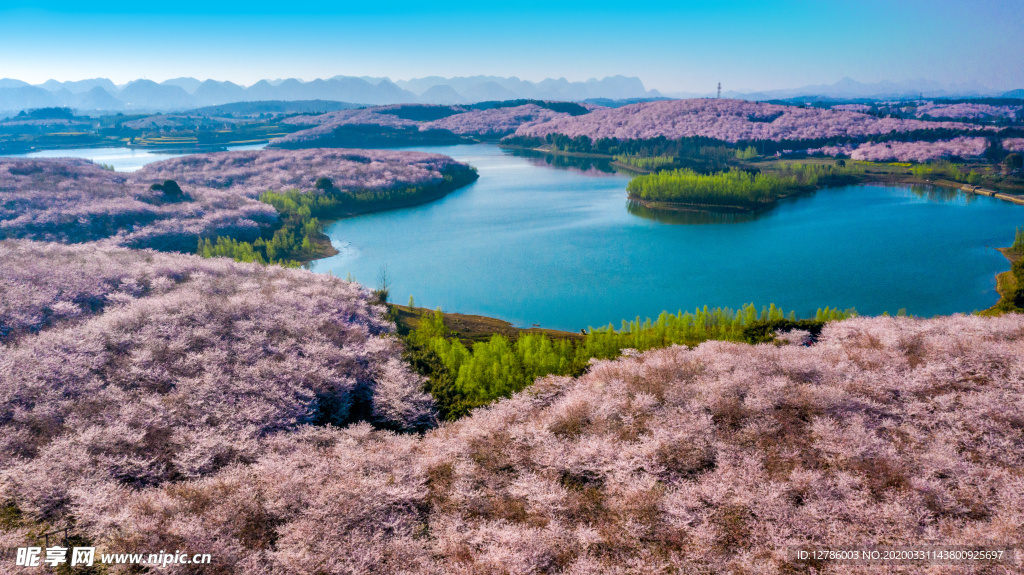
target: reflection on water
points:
(589, 166)
(122, 159)
(690, 217)
(939, 193)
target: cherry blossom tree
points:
(885, 431)
(962, 147)
(727, 120)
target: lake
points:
(122, 159)
(553, 241)
(534, 243)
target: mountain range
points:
(848, 88)
(101, 94)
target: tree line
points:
(645, 163)
(461, 378)
(701, 147)
(735, 187)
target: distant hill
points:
(609, 103)
(80, 86)
(11, 83)
(187, 84)
(479, 88)
(47, 114)
(441, 94)
(148, 95)
(97, 99)
(274, 107)
(26, 97)
(848, 88)
(211, 92)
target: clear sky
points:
(671, 46)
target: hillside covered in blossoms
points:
(398, 125)
(135, 368)
(166, 401)
(71, 200)
(928, 131)
(726, 120)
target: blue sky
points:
(671, 46)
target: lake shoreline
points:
(470, 328)
(323, 247)
(867, 179)
(1006, 282)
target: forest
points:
(735, 188)
(462, 377)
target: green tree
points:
(170, 188)
(1013, 162)
(324, 184)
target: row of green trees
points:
(686, 147)
(697, 152)
(461, 377)
(689, 147)
(748, 153)
(645, 163)
(947, 170)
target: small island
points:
(732, 190)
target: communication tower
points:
(719, 90)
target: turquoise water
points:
(122, 159)
(536, 244)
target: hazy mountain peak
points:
(12, 83)
(187, 92)
(850, 88)
(188, 84)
